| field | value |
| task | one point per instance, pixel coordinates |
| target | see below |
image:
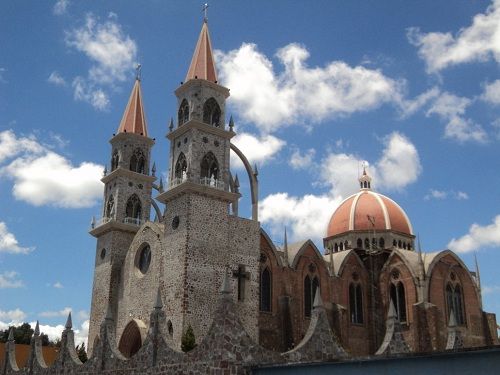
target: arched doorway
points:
(131, 340)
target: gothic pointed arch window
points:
(209, 166)
(356, 303)
(138, 161)
(397, 295)
(133, 209)
(359, 243)
(381, 243)
(310, 287)
(183, 114)
(265, 290)
(455, 302)
(115, 159)
(211, 112)
(181, 167)
(110, 206)
(131, 340)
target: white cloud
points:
(308, 216)
(113, 55)
(410, 106)
(259, 150)
(478, 237)
(477, 42)
(491, 92)
(56, 79)
(58, 285)
(43, 177)
(87, 92)
(272, 100)
(8, 279)
(451, 108)
(300, 160)
(14, 316)
(9, 243)
(487, 289)
(444, 194)
(60, 7)
(112, 52)
(53, 314)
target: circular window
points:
(103, 253)
(144, 259)
(395, 274)
(175, 222)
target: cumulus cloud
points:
(258, 149)
(303, 160)
(112, 53)
(478, 237)
(271, 100)
(16, 315)
(56, 79)
(9, 279)
(60, 7)
(477, 42)
(451, 108)
(58, 285)
(53, 314)
(445, 194)
(308, 216)
(9, 243)
(43, 177)
(491, 92)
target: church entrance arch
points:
(131, 340)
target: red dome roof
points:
(355, 213)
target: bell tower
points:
(204, 239)
(127, 202)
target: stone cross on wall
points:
(242, 276)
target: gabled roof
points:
(134, 119)
(202, 64)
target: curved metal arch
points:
(254, 184)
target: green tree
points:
(23, 334)
(188, 341)
(82, 353)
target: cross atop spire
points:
(205, 11)
(134, 119)
(202, 64)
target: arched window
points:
(400, 244)
(454, 301)
(341, 246)
(374, 243)
(360, 243)
(131, 340)
(138, 161)
(265, 290)
(307, 296)
(144, 259)
(183, 114)
(394, 243)
(345, 245)
(133, 208)
(110, 207)
(336, 247)
(367, 243)
(211, 113)
(356, 303)
(115, 160)
(181, 167)
(397, 294)
(209, 167)
(381, 243)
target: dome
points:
(368, 210)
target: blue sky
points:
(410, 88)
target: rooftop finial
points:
(205, 12)
(365, 181)
(138, 72)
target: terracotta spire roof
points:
(134, 119)
(202, 65)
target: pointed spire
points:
(37, 329)
(236, 181)
(231, 123)
(365, 181)
(158, 304)
(69, 322)
(105, 171)
(153, 170)
(285, 248)
(92, 222)
(171, 124)
(11, 334)
(202, 64)
(318, 301)
(161, 185)
(134, 119)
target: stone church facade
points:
(371, 291)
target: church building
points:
(370, 262)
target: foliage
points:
(82, 353)
(23, 334)
(188, 341)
